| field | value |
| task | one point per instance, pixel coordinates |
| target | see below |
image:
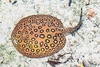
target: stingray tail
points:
(74, 29)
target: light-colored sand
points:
(83, 44)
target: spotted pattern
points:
(38, 36)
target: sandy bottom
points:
(82, 48)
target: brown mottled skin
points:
(39, 36)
